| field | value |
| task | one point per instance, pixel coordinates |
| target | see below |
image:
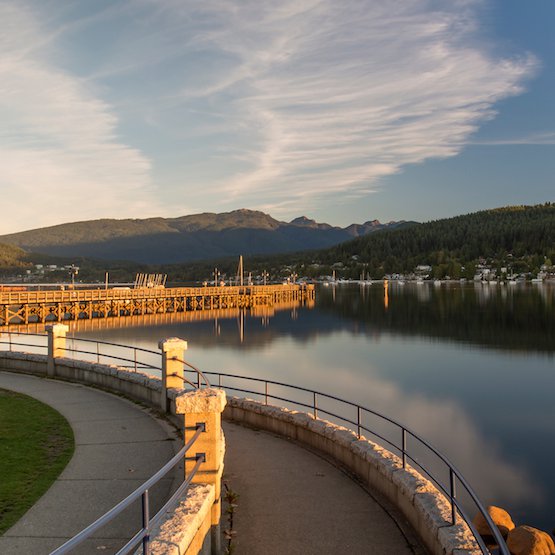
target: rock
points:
(501, 518)
(526, 540)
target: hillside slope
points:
(503, 234)
(195, 237)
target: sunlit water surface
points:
(469, 367)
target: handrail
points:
(454, 473)
(141, 491)
(85, 340)
(455, 476)
(19, 344)
(135, 362)
(194, 369)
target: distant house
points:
(484, 274)
(423, 269)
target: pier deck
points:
(24, 307)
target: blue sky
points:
(341, 111)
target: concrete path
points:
(292, 501)
(118, 446)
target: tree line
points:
(522, 237)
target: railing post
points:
(453, 493)
(173, 353)
(314, 405)
(56, 346)
(404, 446)
(146, 522)
(205, 406)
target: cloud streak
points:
(60, 155)
(340, 95)
(535, 139)
(282, 107)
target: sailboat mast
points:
(240, 270)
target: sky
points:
(341, 111)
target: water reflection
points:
(507, 317)
(442, 420)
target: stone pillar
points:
(56, 346)
(173, 353)
(205, 406)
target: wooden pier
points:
(42, 307)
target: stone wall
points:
(135, 385)
(427, 510)
(187, 528)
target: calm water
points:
(470, 368)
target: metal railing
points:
(143, 535)
(10, 339)
(22, 339)
(407, 445)
(141, 359)
(319, 403)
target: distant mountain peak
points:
(303, 220)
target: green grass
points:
(36, 443)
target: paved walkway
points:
(118, 446)
(292, 501)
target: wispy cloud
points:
(252, 103)
(60, 155)
(546, 139)
(337, 95)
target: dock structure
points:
(25, 307)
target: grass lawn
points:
(36, 443)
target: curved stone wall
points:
(419, 500)
(186, 528)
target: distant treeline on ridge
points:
(519, 238)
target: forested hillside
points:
(520, 239)
(195, 237)
(12, 258)
(523, 236)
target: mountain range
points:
(187, 238)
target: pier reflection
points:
(264, 314)
(518, 318)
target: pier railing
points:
(51, 306)
(395, 436)
(69, 295)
